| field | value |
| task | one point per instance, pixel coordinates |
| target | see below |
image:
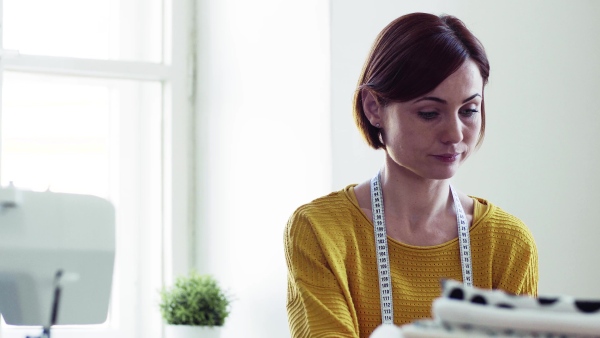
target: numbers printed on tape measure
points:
(383, 268)
(381, 245)
(463, 232)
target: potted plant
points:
(195, 306)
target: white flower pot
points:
(188, 331)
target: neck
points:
(414, 199)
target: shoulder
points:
(325, 209)
(326, 218)
(500, 230)
(508, 241)
(323, 227)
(317, 213)
(493, 221)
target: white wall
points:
(263, 146)
(540, 157)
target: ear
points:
(373, 110)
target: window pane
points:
(100, 137)
(97, 29)
(55, 134)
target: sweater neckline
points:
(482, 210)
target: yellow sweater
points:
(333, 288)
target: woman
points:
(376, 252)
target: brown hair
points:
(411, 57)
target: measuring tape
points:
(464, 240)
(381, 247)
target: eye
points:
(428, 115)
(469, 112)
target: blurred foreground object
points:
(56, 257)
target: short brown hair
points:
(411, 56)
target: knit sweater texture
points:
(333, 285)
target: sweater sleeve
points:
(518, 259)
(316, 304)
(529, 283)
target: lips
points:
(448, 158)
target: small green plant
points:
(194, 300)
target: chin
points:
(445, 175)
(431, 172)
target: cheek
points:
(471, 133)
(401, 141)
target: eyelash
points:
(469, 112)
(432, 115)
(428, 115)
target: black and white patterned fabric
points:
(471, 312)
(495, 313)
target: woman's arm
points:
(517, 260)
(316, 305)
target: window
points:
(92, 92)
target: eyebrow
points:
(437, 99)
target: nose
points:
(452, 130)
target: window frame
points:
(177, 74)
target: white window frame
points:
(177, 74)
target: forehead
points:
(463, 83)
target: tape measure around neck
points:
(381, 248)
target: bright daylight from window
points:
(71, 123)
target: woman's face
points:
(433, 135)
